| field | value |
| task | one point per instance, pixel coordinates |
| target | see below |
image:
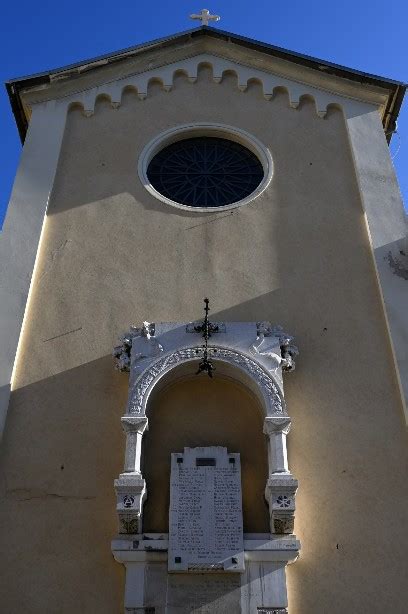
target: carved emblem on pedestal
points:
(130, 493)
(280, 493)
(129, 523)
(283, 524)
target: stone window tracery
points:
(205, 172)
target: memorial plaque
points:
(205, 524)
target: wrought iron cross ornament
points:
(205, 17)
(206, 328)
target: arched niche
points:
(250, 359)
(185, 410)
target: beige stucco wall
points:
(112, 255)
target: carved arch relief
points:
(270, 82)
(273, 401)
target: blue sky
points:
(369, 35)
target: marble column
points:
(281, 486)
(131, 487)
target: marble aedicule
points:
(256, 354)
(258, 351)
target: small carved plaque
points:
(205, 527)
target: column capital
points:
(134, 424)
(276, 424)
(282, 483)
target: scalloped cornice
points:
(78, 86)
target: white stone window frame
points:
(192, 130)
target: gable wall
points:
(113, 255)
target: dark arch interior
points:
(199, 411)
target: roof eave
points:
(396, 89)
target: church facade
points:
(205, 473)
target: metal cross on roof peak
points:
(205, 17)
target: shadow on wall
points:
(62, 449)
(297, 256)
(64, 446)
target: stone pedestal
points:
(280, 493)
(260, 588)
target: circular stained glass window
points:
(205, 172)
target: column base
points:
(130, 491)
